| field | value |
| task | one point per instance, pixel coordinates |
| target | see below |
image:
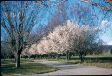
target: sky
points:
(105, 25)
(106, 36)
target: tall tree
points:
(18, 19)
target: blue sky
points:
(104, 24)
(105, 35)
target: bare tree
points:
(18, 19)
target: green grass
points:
(27, 67)
(66, 61)
(99, 63)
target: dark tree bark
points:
(18, 57)
(81, 57)
(67, 55)
(18, 60)
(57, 57)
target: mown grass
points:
(66, 61)
(99, 64)
(99, 61)
(27, 67)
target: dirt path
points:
(71, 69)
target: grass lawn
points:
(99, 63)
(65, 61)
(27, 67)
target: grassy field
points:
(100, 64)
(99, 61)
(30, 67)
(27, 67)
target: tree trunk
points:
(67, 55)
(81, 57)
(18, 57)
(18, 60)
(57, 57)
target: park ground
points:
(28, 67)
(43, 67)
(75, 69)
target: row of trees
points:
(67, 38)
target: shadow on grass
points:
(27, 67)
